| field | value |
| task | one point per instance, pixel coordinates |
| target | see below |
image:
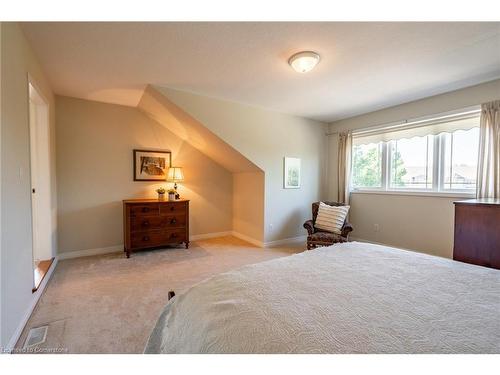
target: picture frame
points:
(151, 165)
(291, 173)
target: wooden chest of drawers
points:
(477, 232)
(150, 223)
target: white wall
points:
(413, 222)
(17, 61)
(248, 204)
(265, 138)
(94, 174)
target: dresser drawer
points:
(172, 208)
(175, 235)
(147, 239)
(145, 223)
(152, 209)
(174, 221)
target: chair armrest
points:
(346, 229)
(309, 225)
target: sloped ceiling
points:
(161, 109)
(364, 67)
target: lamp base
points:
(177, 195)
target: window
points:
(460, 160)
(367, 161)
(411, 163)
(433, 155)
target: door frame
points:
(34, 167)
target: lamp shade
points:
(175, 174)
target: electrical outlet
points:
(376, 228)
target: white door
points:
(40, 177)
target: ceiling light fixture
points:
(303, 62)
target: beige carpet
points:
(109, 304)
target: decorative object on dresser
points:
(318, 237)
(477, 232)
(151, 165)
(175, 175)
(151, 223)
(161, 193)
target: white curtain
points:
(344, 171)
(488, 168)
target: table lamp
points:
(175, 175)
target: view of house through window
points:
(440, 156)
(411, 162)
(460, 165)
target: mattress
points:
(347, 298)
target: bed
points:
(347, 298)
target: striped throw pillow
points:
(331, 218)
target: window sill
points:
(439, 194)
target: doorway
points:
(41, 207)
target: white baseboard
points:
(246, 238)
(36, 297)
(119, 248)
(206, 236)
(286, 241)
(90, 252)
(258, 243)
(196, 237)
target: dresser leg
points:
(128, 253)
(187, 244)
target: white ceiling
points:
(364, 66)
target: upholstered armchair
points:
(318, 237)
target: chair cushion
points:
(325, 237)
(331, 218)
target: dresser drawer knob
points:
(173, 221)
(145, 223)
(173, 235)
(145, 209)
(145, 238)
(172, 208)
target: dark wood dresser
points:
(150, 223)
(477, 232)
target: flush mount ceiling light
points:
(303, 62)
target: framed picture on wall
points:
(291, 175)
(151, 165)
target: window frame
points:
(438, 175)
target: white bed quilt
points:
(347, 298)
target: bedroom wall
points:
(419, 223)
(94, 166)
(17, 61)
(248, 205)
(265, 138)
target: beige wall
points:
(248, 204)
(413, 222)
(94, 166)
(265, 138)
(17, 61)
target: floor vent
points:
(36, 336)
